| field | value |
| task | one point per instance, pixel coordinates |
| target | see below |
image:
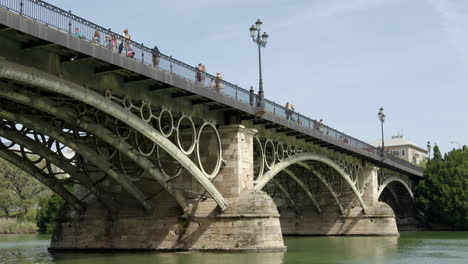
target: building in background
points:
(403, 148)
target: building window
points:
(403, 152)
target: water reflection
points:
(416, 247)
(172, 258)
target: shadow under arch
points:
(307, 156)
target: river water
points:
(410, 247)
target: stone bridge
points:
(149, 157)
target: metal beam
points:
(31, 76)
(36, 44)
(107, 69)
(304, 188)
(265, 178)
(160, 87)
(41, 176)
(80, 148)
(70, 116)
(58, 161)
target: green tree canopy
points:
(19, 191)
(442, 196)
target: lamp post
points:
(382, 120)
(428, 150)
(261, 41)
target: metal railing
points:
(67, 22)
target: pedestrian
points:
(130, 53)
(198, 73)
(107, 42)
(127, 37)
(321, 126)
(291, 109)
(78, 33)
(203, 72)
(286, 110)
(113, 43)
(156, 56)
(96, 37)
(218, 83)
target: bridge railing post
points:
(170, 61)
(142, 53)
(21, 7)
(69, 23)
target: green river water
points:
(410, 247)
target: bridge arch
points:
(262, 180)
(45, 81)
(395, 179)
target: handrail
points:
(66, 21)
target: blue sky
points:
(340, 60)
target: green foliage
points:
(48, 212)
(19, 191)
(442, 196)
(13, 226)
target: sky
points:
(340, 60)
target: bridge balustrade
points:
(65, 21)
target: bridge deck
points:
(53, 26)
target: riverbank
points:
(12, 226)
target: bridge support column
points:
(250, 222)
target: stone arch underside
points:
(50, 83)
(300, 159)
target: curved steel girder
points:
(41, 176)
(285, 192)
(395, 179)
(304, 188)
(70, 116)
(58, 161)
(36, 78)
(324, 182)
(80, 148)
(306, 157)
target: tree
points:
(48, 212)
(19, 191)
(442, 196)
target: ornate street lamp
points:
(382, 120)
(428, 150)
(261, 41)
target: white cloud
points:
(454, 23)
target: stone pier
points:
(250, 223)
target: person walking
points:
(287, 111)
(203, 72)
(113, 43)
(107, 42)
(127, 37)
(78, 34)
(218, 83)
(198, 73)
(97, 37)
(156, 56)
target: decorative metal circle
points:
(168, 175)
(219, 158)
(133, 172)
(101, 117)
(122, 131)
(82, 109)
(144, 145)
(108, 94)
(280, 151)
(288, 150)
(269, 165)
(194, 135)
(104, 150)
(171, 122)
(127, 103)
(261, 165)
(145, 111)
